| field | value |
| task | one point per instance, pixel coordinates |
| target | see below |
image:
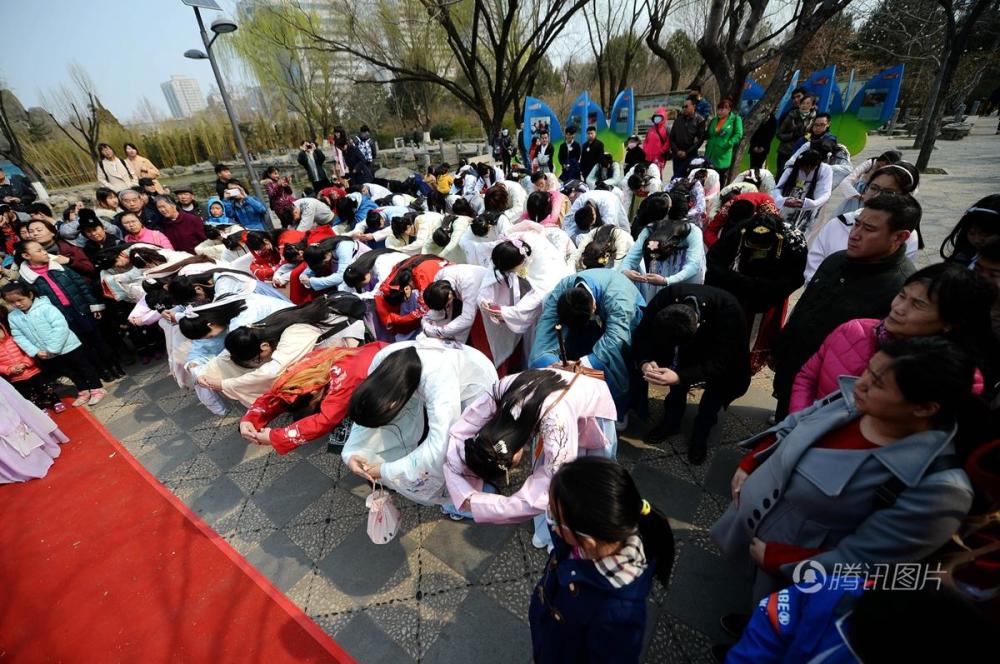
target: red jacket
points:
(11, 354)
(345, 376)
(423, 276)
(185, 232)
(657, 142)
(714, 228)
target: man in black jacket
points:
(693, 336)
(860, 282)
(569, 157)
(16, 192)
(311, 159)
(686, 136)
(593, 150)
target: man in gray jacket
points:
(686, 136)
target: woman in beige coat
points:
(142, 167)
(113, 172)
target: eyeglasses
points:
(875, 189)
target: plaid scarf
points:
(625, 566)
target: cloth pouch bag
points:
(383, 515)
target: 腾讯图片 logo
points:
(809, 576)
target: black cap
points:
(146, 182)
(184, 187)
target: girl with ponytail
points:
(541, 419)
(609, 542)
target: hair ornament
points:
(646, 508)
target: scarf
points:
(624, 567)
(43, 272)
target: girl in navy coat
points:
(590, 605)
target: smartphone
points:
(232, 192)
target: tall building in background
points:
(183, 96)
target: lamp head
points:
(195, 54)
(221, 26)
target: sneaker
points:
(96, 396)
(537, 543)
(81, 398)
(622, 425)
(59, 406)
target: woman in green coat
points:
(725, 131)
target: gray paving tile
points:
(364, 640)
(285, 497)
(721, 469)
(719, 590)
(360, 569)
(280, 559)
(465, 640)
(468, 547)
(677, 498)
(216, 501)
(166, 455)
(231, 451)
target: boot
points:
(698, 445)
(670, 425)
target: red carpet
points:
(100, 563)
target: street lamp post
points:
(221, 26)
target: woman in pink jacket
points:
(552, 416)
(657, 143)
(941, 299)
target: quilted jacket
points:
(846, 352)
(10, 355)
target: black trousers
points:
(77, 365)
(89, 332)
(675, 403)
(38, 389)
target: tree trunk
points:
(941, 85)
(932, 97)
(668, 58)
(700, 76)
(767, 105)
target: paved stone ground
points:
(458, 592)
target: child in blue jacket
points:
(590, 605)
(43, 333)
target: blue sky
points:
(129, 47)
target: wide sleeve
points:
(559, 437)
(820, 248)
(460, 325)
(633, 259)
(619, 310)
(461, 482)
(345, 250)
(420, 470)
(848, 186)
(545, 349)
(694, 258)
(263, 410)
(779, 198)
(824, 186)
(332, 412)
(923, 518)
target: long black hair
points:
(347, 208)
(490, 453)
(539, 205)
(601, 250)
(243, 343)
(597, 496)
(985, 213)
(587, 217)
(442, 235)
(665, 240)
(482, 223)
(100, 160)
(652, 209)
(401, 223)
(379, 398)
(506, 256)
(932, 370)
(222, 314)
(354, 275)
(182, 288)
(315, 254)
(809, 158)
(404, 276)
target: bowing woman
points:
(321, 383)
(867, 475)
(525, 269)
(541, 417)
(257, 354)
(399, 304)
(414, 393)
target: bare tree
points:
(739, 36)
(658, 10)
(616, 36)
(82, 110)
(496, 46)
(961, 16)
